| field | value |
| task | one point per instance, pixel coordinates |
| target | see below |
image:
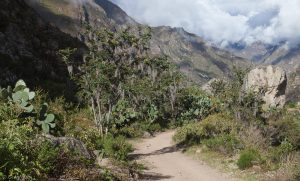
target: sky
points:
(223, 21)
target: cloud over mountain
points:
(223, 21)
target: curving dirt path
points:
(165, 162)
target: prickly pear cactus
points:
(21, 95)
(46, 121)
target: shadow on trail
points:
(153, 176)
(165, 150)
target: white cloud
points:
(222, 21)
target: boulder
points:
(270, 82)
(72, 144)
(147, 134)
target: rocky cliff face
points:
(28, 46)
(269, 82)
(196, 58)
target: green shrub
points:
(123, 114)
(17, 104)
(152, 128)
(14, 151)
(210, 127)
(24, 157)
(90, 137)
(132, 131)
(21, 155)
(286, 126)
(283, 150)
(199, 108)
(224, 143)
(189, 134)
(116, 147)
(247, 158)
(193, 104)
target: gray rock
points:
(72, 144)
(270, 82)
(146, 134)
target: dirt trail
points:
(165, 162)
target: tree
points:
(118, 68)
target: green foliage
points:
(14, 140)
(116, 147)
(280, 152)
(21, 97)
(122, 114)
(246, 106)
(152, 113)
(240, 123)
(247, 158)
(195, 105)
(212, 126)
(285, 126)
(21, 155)
(134, 130)
(218, 88)
(46, 120)
(46, 156)
(224, 143)
(26, 157)
(106, 175)
(122, 83)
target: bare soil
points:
(166, 162)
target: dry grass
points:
(253, 137)
(289, 169)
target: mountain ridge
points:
(200, 61)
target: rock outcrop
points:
(270, 82)
(72, 144)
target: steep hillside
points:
(286, 57)
(194, 56)
(28, 47)
(261, 53)
(256, 52)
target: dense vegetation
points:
(124, 92)
(240, 128)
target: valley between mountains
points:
(88, 93)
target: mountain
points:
(28, 48)
(195, 57)
(260, 53)
(256, 52)
(279, 55)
